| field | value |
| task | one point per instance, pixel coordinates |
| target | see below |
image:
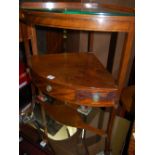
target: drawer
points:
(97, 98)
(55, 90)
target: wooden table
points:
(86, 17)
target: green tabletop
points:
(76, 8)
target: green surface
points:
(85, 11)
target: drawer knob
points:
(48, 88)
(96, 97)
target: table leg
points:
(45, 136)
(84, 141)
(109, 131)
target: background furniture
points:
(128, 111)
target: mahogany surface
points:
(76, 5)
(80, 22)
(88, 22)
(66, 115)
(79, 78)
(127, 98)
(39, 14)
(34, 13)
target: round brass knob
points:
(48, 88)
(96, 97)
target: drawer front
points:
(95, 98)
(80, 97)
(58, 91)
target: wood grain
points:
(79, 78)
(76, 5)
(127, 98)
(92, 80)
(126, 56)
(66, 115)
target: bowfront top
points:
(79, 16)
(78, 8)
